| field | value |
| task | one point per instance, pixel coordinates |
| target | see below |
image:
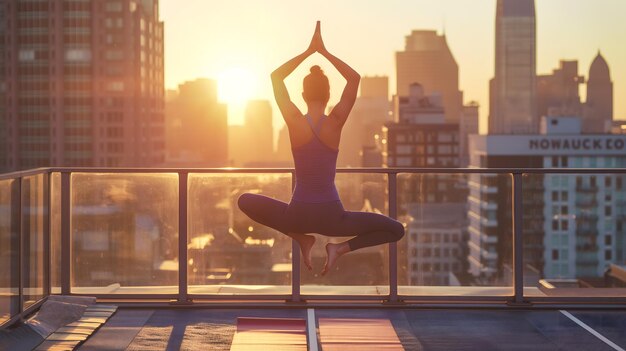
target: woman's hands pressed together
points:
(317, 43)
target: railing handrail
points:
(24, 173)
(374, 170)
(384, 170)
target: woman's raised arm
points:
(341, 111)
(287, 108)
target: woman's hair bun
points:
(316, 69)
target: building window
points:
(26, 55)
(555, 196)
(555, 161)
(555, 210)
(427, 238)
(78, 55)
(555, 254)
(607, 181)
(555, 224)
(444, 137)
(403, 149)
(113, 7)
(564, 196)
(607, 211)
(564, 224)
(114, 55)
(607, 240)
(403, 161)
(608, 255)
(115, 86)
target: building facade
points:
(599, 104)
(512, 93)
(370, 112)
(427, 60)
(574, 225)
(468, 125)
(197, 130)
(431, 205)
(559, 91)
(81, 83)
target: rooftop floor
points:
(417, 329)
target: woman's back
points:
(315, 164)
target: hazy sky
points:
(239, 42)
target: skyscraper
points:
(599, 104)
(369, 114)
(427, 60)
(197, 130)
(512, 90)
(433, 206)
(81, 83)
(467, 126)
(573, 224)
(558, 93)
(259, 134)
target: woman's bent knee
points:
(398, 230)
(245, 201)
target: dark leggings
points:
(328, 218)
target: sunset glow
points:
(263, 34)
(236, 85)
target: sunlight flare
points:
(235, 85)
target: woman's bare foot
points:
(333, 252)
(306, 244)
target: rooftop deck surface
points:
(417, 329)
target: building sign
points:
(549, 145)
(580, 143)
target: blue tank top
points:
(316, 165)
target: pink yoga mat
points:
(269, 334)
(347, 334)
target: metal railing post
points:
(183, 178)
(518, 241)
(295, 260)
(393, 247)
(20, 251)
(46, 233)
(66, 234)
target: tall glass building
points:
(512, 90)
(81, 83)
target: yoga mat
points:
(347, 334)
(262, 334)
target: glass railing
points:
(509, 235)
(24, 243)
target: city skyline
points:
(237, 56)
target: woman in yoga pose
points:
(315, 206)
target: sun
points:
(235, 85)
